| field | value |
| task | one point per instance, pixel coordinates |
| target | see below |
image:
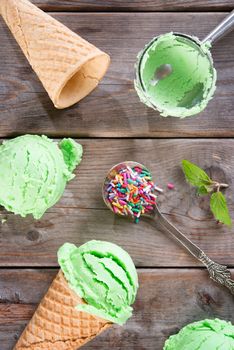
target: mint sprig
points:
(205, 186)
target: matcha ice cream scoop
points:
(191, 84)
(34, 171)
(104, 275)
(203, 335)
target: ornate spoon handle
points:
(218, 273)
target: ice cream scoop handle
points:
(222, 29)
(218, 273)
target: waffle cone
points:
(57, 325)
(68, 66)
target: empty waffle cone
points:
(57, 325)
(68, 66)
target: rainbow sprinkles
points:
(131, 192)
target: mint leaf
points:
(195, 175)
(218, 206)
(203, 190)
(200, 179)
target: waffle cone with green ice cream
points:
(34, 171)
(203, 335)
(96, 286)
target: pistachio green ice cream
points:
(104, 275)
(34, 171)
(191, 84)
(203, 335)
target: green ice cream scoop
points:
(191, 83)
(104, 275)
(34, 171)
(203, 335)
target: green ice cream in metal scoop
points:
(34, 171)
(189, 86)
(104, 275)
(175, 73)
(203, 335)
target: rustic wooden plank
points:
(81, 214)
(134, 5)
(167, 300)
(25, 107)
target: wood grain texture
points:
(134, 5)
(113, 109)
(81, 214)
(168, 297)
(167, 300)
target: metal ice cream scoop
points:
(222, 29)
(217, 33)
(218, 273)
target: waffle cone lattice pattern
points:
(55, 52)
(57, 325)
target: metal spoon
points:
(217, 33)
(218, 273)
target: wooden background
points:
(113, 126)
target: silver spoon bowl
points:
(218, 273)
(111, 175)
